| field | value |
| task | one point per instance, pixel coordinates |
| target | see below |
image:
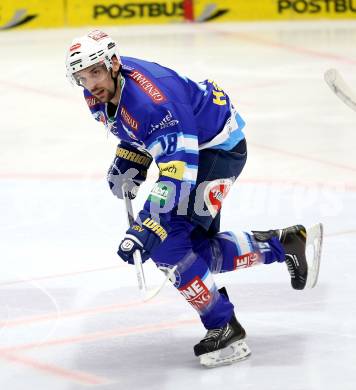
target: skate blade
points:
(314, 240)
(234, 352)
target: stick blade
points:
(330, 76)
(150, 294)
(337, 84)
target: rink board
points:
(274, 10)
(31, 14)
(57, 13)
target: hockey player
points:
(194, 134)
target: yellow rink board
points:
(254, 10)
(123, 12)
(59, 13)
(31, 14)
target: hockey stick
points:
(147, 294)
(136, 255)
(340, 88)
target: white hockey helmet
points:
(88, 50)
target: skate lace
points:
(213, 334)
(290, 266)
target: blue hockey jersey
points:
(171, 117)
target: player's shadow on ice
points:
(135, 361)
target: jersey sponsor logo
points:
(214, 194)
(167, 121)
(316, 6)
(196, 293)
(91, 100)
(148, 87)
(160, 193)
(129, 119)
(138, 9)
(246, 260)
(173, 169)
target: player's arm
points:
(171, 139)
(175, 150)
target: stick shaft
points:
(136, 255)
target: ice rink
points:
(70, 312)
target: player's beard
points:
(104, 95)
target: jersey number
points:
(168, 143)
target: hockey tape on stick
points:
(340, 88)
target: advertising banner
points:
(31, 14)
(275, 10)
(60, 13)
(123, 12)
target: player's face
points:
(97, 80)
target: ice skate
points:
(303, 269)
(224, 345)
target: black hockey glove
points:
(145, 235)
(130, 168)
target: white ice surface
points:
(70, 311)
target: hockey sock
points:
(193, 278)
(227, 251)
(199, 289)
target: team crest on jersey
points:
(214, 194)
(128, 119)
(100, 117)
(148, 86)
(110, 125)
